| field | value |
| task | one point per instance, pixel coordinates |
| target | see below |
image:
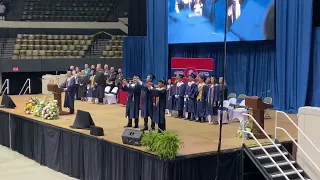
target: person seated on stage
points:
(178, 95)
(146, 107)
(133, 100)
(100, 83)
(202, 93)
(69, 87)
(190, 96)
(212, 101)
(169, 98)
(83, 81)
(159, 95)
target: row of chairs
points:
(111, 54)
(71, 1)
(46, 57)
(114, 48)
(52, 42)
(19, 47)
(54, 37)
(48, 53)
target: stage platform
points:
(200, 144)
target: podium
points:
(56, 91)
(258, 107)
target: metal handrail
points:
(265, 151)
(298, 146)
(285, 157)
(28, 87)
(276, 125)
(6, 82)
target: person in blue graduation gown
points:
(146, 106)
(223, 89)
(133, 101)
(212, 101)
(202, 94)
(190, 96)
(69, 87)
(159, 106)
(169, 104)
(179, 93)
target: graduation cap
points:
(202, 76)
(162, 81)
(151, 76)
(181, 75)
(192, 75)
(136, 76)
(83, 120)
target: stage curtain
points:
(293, 39)
(133, 55)
(137, 18)
(314, 84)
(4, 129)
(250, 67)
(86, 157)
(157, 38)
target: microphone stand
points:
(223, 92)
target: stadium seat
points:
(71, 10)
(114, 48)
(36, 46)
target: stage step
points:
(268, 168)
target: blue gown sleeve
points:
(205, 92)
(192, 93)
(72, 84)
(63, 85)
(183, 90)
(159, 93)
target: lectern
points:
(258, 107)
(56, 91)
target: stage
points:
(78, 154)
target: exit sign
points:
(15, 69)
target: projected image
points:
(196, 21)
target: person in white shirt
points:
(2, 11)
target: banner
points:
(187, 66)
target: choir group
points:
(197, 100)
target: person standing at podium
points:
(69, 87)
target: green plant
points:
(165, 144)
(148, 140)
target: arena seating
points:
(35, 46)
(71, 10)
(114, 47)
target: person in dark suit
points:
(69, 87)
(100, 83)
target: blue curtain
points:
(314, 83)
(133, 55)
(157, 38)
(250, 65)
(293, 39)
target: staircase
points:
(97, 48)
(273, 160)
(283, 160)
(8, 48)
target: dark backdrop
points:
(137, 18)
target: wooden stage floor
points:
(198, 138)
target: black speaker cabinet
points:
(132, 137)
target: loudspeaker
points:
(7, 102)
(132, 137)
(83, 120)
(96, 131)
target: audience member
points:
(2, 11)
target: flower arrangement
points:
(39, 107)
(30, 105)
(247, 127)
(42, 108)
(51, 110)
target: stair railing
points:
(5, 85)
(292, 139)
(27, 82)
(273, 143)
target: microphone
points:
(265, 92)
